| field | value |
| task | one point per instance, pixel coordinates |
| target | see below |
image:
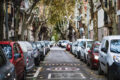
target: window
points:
(115, 46)
(107, 45)
(7, 50)
(2, 59)
(103, 44)
(16, 49)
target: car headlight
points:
(116, 59)
(96, 57)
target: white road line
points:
(37, 72)
(49, 76)
(83, 77)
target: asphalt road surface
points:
(62, 65)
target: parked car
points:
(78, 48)
(69, 46)
(7, 69)
(42, 49)
(109, 58)
(33, 53)
(64, 43)
(36, 52)
(74, 45)
(16, 57)
(52, 43)
(47, 46)
(86, 45)
(29, 61)
(59, 43)
(93, 55)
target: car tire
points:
(109, 74)
(36, 62)
(78, 55)
(100, 70)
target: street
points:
(62, 65)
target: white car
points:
(78, 48)
(109, 57)
(74, 45)
(64, 43)
(86, 45)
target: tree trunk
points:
(95, 25)
(37, 32)
(1, 19)
(114, 26)
(16, 25)
(23, 28)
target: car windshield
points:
(7, 49)
(89, 44)
(115, 46)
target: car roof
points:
(84, 40)
(7, 42)
(112, 37)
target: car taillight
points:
(68, 46)
(27, 60)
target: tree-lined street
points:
(62, 65)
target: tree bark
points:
(95, 25)
(1, 19)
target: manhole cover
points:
(72, 76)
(63, 69)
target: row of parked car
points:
(18, 58)
(104, 55)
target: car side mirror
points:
(17, 55)
(104, 49)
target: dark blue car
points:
(7, 70)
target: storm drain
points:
(71, 76)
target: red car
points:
(68, 47)
(15, 56)
(93, 55)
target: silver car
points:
(28, 59)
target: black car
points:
(7, 70)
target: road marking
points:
(49, 76)
(82, 76)
(37, 72)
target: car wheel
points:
(109, 74)
(80, 57)
(36, 62)
(100, 70)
